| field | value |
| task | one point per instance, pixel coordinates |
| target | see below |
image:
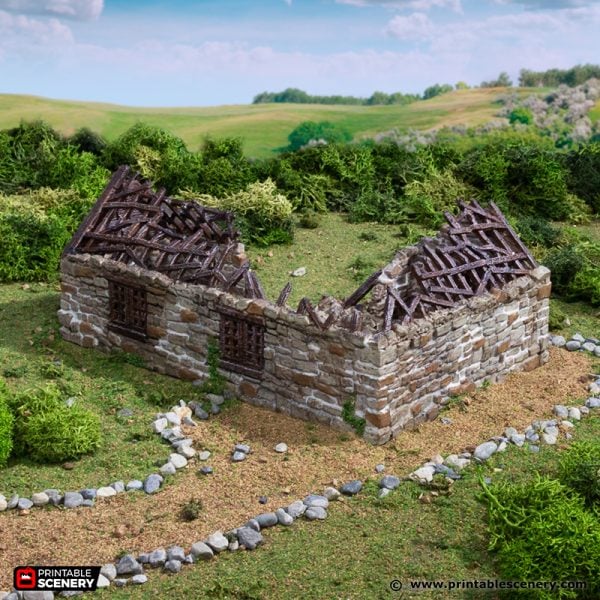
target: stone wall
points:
(396, 379)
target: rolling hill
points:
(264, 127)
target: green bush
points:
(263, 215)
(521, 114)
(61, 434)
(564, 264)
(46, 430)
(6, 425)
(323, 130)
(584, 174)
(557, 318)
(535, 231)
(34, 229)
(579, 469)
(542, 531)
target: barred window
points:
(128, 312)
(242, 342)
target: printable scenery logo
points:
(57, 579)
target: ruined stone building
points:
(161, 278)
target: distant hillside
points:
(264, 127)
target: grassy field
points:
(264, 127)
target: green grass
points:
(337, 255)
(264, 127)
(29, 345)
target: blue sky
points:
(206, 52)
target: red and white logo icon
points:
(25, 578)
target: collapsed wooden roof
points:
(476, 251)
(131, 223)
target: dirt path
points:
(316, 456)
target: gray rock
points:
(423, 474)
(118, 486)
(189, 560)
(134, 485)
(13, 502)
(215, 409)
(283, 518)
(38, 499)
(379, 468)
(249, 538)
(121, 582)
(242, 448)
(176, 553)
(40, 595)
(157, 558)
(217, 541)
(185, 442)
(588, 346)
(238, 456)
(187, 420)
(502, 446)
(173, 418)
(160, 425)
(54, 495)
(105, 492)
(558, 341)
(173, 566)
(87, 503)
(561, 411)
(263, 499)
(594, 388)
(331, 493)
(103, 581)
(88, 493)
(510, 431)
(584, 410)
(299, 272)
(266, 519)
(383, 492)
(578, 338)
(296, 509)
(24, 504)
(152, 483)
(534, 448)
(233, 546)
(205, 470)
(187, 452)
(567, 425)
(549, 438)
(200, 413)
(315, 513)
(109, 571)
(3, 503)
(281, 448)
(144, 558)
(532, 436)
(390, 482)
(351, 488)
(573, 345)
(128, 565)
(139, 579)
(215, 399)
(446, 421)
(168, 469)
(447, 472)
(315, 500)
(204, 455)
(253, 524)
(125, 412)
(593, 402)
(574, 413)
(201, 551)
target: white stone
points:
(160, 425)
(456, 462)
(105, 492)
(168, 469)
(485, 450)
(40, 499)
(567, 424)
(561, 411)
(178, 461)
(204, 455)
(186, 451)
(549, 438)
(217, 541)
(3, 503)
(109, 571)
(331, 493)
(574, 413)
(173, 418)
(281, 448)
(103, 582)
(423, 474)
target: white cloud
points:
(19, 32)
(418, 5)
(416, 26)
(73, 9)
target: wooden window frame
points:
(128, 309)
(241, 342)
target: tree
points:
(436, 90)
(323, 130)
(462, 85)
(503, 80)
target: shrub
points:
(46, 430)
(557, 318)
(262, 213)
(86, 140)
(521, 114)
(34, 229)
(61, 434)
(191, 510)
(542, 531)
(323, 130)
(579, 469)
(6, 425)
(584, 174)
(538, 232)
(564, 263)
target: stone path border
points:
(129, 569)
(167, 425)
